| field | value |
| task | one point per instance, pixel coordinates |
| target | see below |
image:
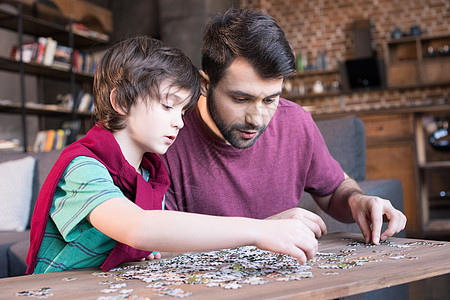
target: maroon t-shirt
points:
(210, 177)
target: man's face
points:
(243, 103)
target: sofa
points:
(21, 177)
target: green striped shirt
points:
(70, 241)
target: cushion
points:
(346, 141)
(44, 162)
(16, 186)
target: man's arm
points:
(349, 204)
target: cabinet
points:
(390, 153)
(434, 171)
(415, 61)
(12, 18)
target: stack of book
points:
(83, 30)
(53, 139)
(47, 51)
(84, 101)
(9, 144)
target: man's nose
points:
(255, 115)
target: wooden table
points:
(423, 260)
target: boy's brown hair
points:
(135, 68)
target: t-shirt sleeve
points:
(84, 184)
(325, 173)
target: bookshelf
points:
(67, 35)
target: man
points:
(246, 152)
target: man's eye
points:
(240, 100)
(268, 101)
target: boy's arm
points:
(171, 231)
(349, 204)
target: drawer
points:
(405, 74)
(389, 126)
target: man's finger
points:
(377, 222)
(365, 228)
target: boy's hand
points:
(310, 219)
(152, 256)
(287, 236)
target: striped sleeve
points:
(84, 184)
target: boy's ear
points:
(114, 103)
(205, 83)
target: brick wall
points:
(311, 25)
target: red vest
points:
(100, 144)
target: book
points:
(28, 50)
(60, 138)
(49, 54)
(85, 102)
(62, 57)
(76, 60)
(41, 45)
(49, 142)
(39, 143)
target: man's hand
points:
(370, 210)
(349, 204)
(311, 220)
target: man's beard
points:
(229, 132)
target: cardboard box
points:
(93, 16)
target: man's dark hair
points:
(247, 34)
(136, 67)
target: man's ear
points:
(205, 83)
(114, 103)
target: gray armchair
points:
(345, 138)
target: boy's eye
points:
(167, 107)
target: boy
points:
(101, 204)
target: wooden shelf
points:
(435, 165)
(319, 72)
(296, 97)
(11, 65)
(49, 110)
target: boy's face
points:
(243, 103)
(153, 124)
